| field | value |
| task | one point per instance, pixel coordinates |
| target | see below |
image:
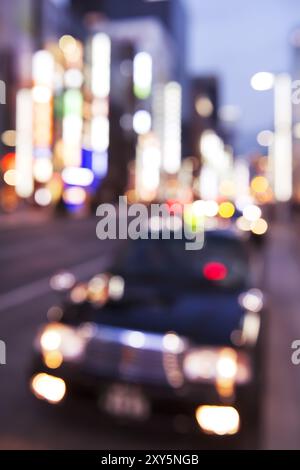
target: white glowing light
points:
(151, 156)
(62, 281)
(43, 170)
(215, 364)
(100, 133)
(171, 159)
(241, 180)
(265, 138)
(262, 81)
(147, 166)
(200, 364)
(211, 208)
(142, 122)
(208, 183)
(43, 68)
(173, 343)
(24, 136)
(11, 177)
(150, 160)
(252, 300)
(101, 53)
(149, 179)
(65, 340)
(50, 340)
(227, 366)
(41, 94)
(116, 287)
(198, 208)
(72, 126)
(72, 129)
(134, 339)
(282, 147)
(251, 327)
(142, 74)
(43, 197)
(212, 148)
(252, 212)
(77, 176)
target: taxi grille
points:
(112, 358)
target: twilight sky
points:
(234, 39)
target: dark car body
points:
(160, 314)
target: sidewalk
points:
(282, 283)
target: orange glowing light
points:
(259, 184)
(8, 161)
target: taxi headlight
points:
(220, 420)
(48, 387)
(63, 339)
(213, 364)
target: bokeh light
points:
(226, 209)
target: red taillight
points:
(215, 271)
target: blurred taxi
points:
(166, 332)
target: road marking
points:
(37, 289)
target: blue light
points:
(86, 158)
(100, 164)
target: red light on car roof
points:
(215, 271)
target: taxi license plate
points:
(126, 401)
